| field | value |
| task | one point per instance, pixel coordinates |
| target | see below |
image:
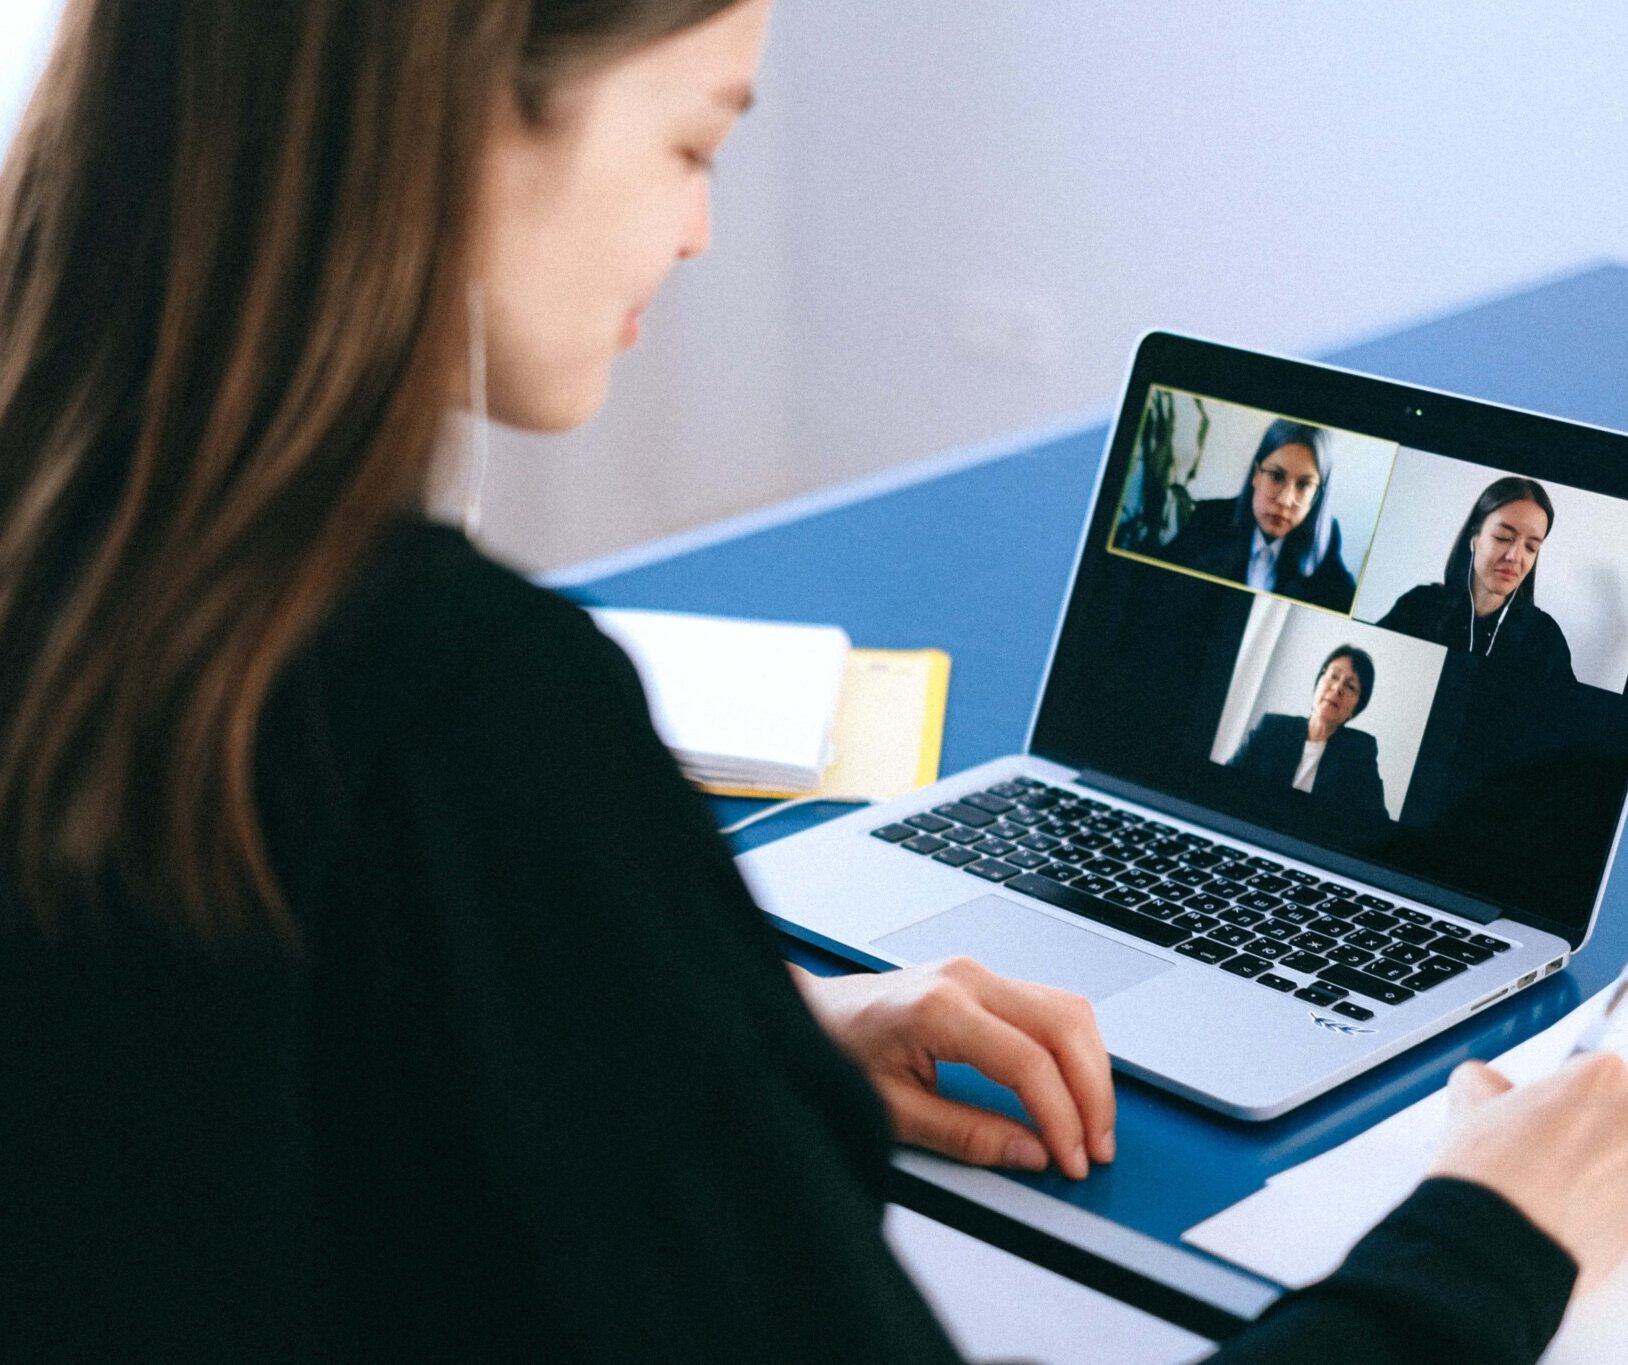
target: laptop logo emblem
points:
(1335, 1026)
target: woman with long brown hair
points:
(372, 986)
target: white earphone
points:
(1503, 611)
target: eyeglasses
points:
(1277, 479)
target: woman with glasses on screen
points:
(372, 985)
(1278, 534)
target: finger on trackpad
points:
(1016, 940)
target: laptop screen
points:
(1360, 622)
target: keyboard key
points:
(1022, 857)
(1191, 876)
(1294, 874)
(1226, 886)
(1098, 910)
(1259, 900)
(1261, 864)
(1243, 917)
(894, 834)
(1312, 943)
(1351, 957)
(1303, 961)
(1376, 903)
(1388, 970)
(1352, 1011)
(1332, 925)
(1193, 923)
(1058, 872)
(1496, 945)
(1405, 952)
(1441, 926)
(992, 870)
(1413, 933)
(1204, 859)
(1309, 896)
(1270, 949)
(1245, 965)
(931, 824)
(1364, 983)
(1433, 973)
(1170, 891)
(1103, 867)
(1038, 843)
(1280, 930)
(989, 801)
(993, 848)
(960, 834)
(1461, 952)
(1160, 909)
(1027, 818)
(1091, 884)
(1206, 904)
(1276, 983)
(955, 857)
(1004, 829)
(1374, 919)
(964, 814)
(1006, 789)
(1205, 950)
(1232, 935)
(1320, 993)
(924, 843)
(1126, 895)
(1368, 940)
(1135, 876)
(1411, 916)
(1297, 914)
(1266, 881)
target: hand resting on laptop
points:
(1039, 1041)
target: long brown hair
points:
(231, 294)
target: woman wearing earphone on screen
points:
(1486, 602)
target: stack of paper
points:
(1299, 1228)
(741, 704)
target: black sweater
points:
(541, 1087)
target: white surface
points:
(998, 1306)
(1300, 1226)
(745, 703)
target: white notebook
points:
(743, 704)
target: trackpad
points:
(1010, 938)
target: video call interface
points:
(1406, 656)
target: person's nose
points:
(697, 234)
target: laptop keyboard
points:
(1283, 928)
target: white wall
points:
(949, 221)
(985, 204)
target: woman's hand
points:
(1039, 1041)
(1557, 1149)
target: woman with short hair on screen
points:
(373, 986)
(1278, 534)
(1320, 754)
(1486, 603)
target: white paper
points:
(1301, 1225)
(746, 703)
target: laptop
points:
(1330, 753)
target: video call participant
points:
(1486, 602)
(1279, 534)
(1319, 754)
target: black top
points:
(1347, 774)
(541, 1088)
(1213, 542)
(1525, 635)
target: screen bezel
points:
(1573, 453)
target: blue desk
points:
(976, 560)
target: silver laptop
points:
(1331, 751)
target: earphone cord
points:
(1497, 625)
(480, 430)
